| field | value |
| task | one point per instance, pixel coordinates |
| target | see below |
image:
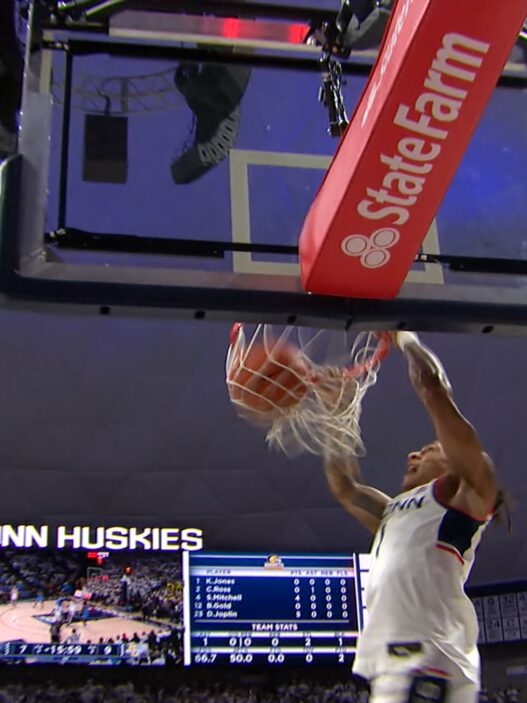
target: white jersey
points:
(421, 557)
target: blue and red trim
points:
(456, 529)
(435, 672)
(451, 550)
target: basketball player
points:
(419, 641)
(72, 612)
(13, 596)
(73, 638)
(54, 632)
(39, 600)
(85, 614)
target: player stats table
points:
(270, 609)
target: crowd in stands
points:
(49, 573)
(296, 691)
(511, 694)
(153, 587)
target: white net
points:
(305, 386)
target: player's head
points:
(424, 465)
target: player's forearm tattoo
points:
(369, 504)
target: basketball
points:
(264, 380)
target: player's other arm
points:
(365, 503)
(457, 436)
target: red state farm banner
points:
(438, 65)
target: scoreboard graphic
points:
(270, 609)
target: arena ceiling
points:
(127, 421)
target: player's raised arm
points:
(458, 438)
(365, 503)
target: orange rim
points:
(380, 352)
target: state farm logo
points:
(373, 250)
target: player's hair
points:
(502, 513)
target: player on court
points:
(13, 596)
(419, 642)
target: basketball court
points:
(26, 623)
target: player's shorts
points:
(420, 672)
(422, 687)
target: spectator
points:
(74, 637)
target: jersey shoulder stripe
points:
(456, 529)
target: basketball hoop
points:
(305, 386)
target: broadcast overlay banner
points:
(113, 538)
